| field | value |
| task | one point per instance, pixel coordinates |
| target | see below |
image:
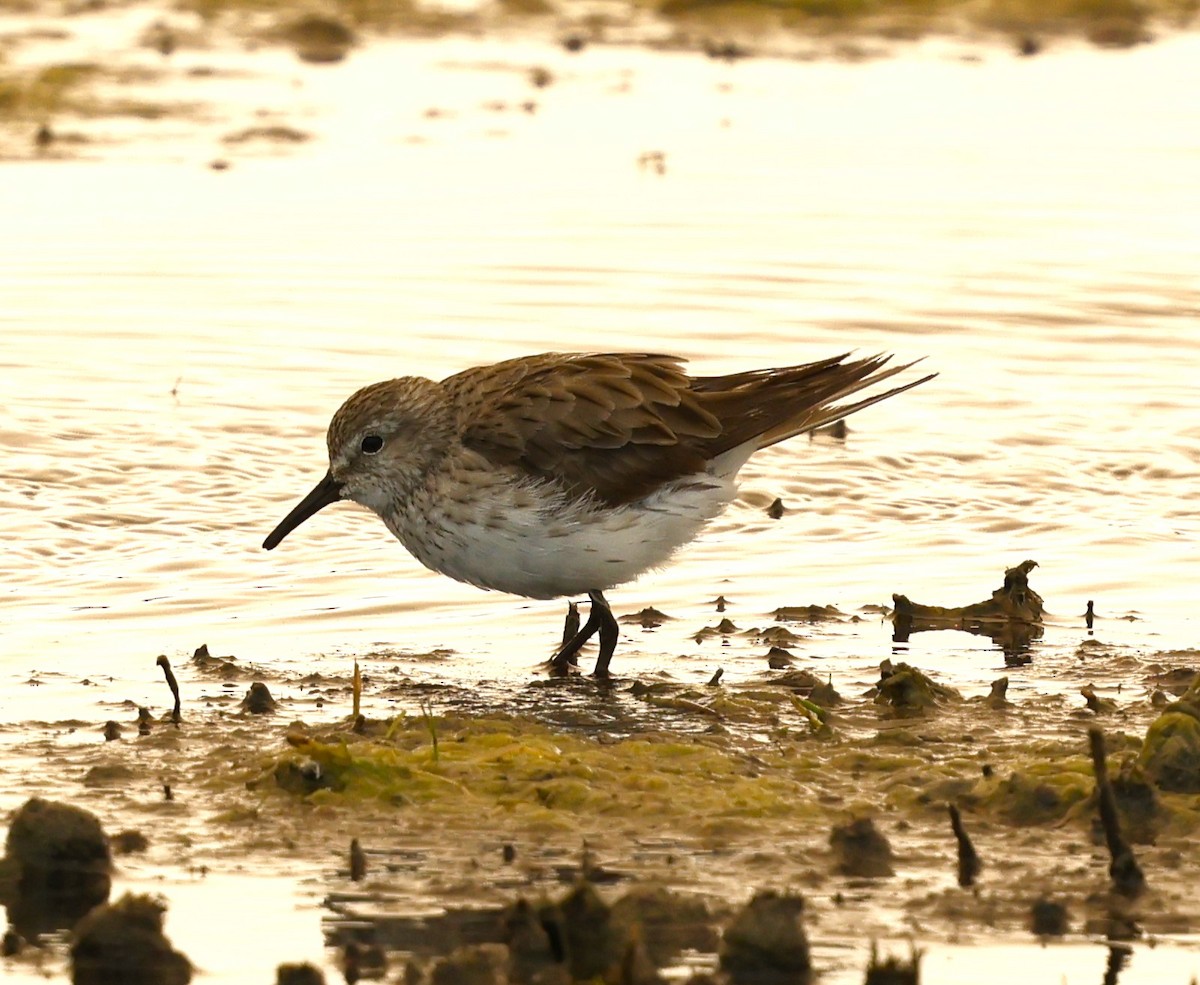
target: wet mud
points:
(762, 827)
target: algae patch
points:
(1171, 751)
(505, 767)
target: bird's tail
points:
(771, 405)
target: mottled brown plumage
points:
(619, 425)
(560, 474)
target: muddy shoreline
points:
(76, 79)
(465, 800)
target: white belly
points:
(517, 542)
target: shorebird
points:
(567, 474)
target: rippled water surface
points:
(173, 341)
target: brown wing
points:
(615, 426)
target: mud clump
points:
(1012, 617)
(124, 942)
(1015, 599)
(47, 838)
(997, 697)
(1096, 704)
(532, 956)
(298, 974)
(129, 843)
(766, 942)
(276, 133)
(909, 690)
(57, 866)
(592, 943)
(362, 960)
(668, 922)
(860, 849)
(1177, 680)
(476, 964)
(318, 39)
(648, 618)
(893, 970)
(223, 667)
(807, 613)
(1139, 805)
(1049, 918)
(1024, 799)
(258, 700)
(1170, 752)
(578, 937)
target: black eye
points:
(371, 444)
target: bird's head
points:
(381, 443)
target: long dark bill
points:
(327, 491)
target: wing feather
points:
(613, 427)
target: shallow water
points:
(173, 341)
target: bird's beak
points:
(327, 491)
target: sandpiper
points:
(566, 474)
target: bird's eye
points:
(372, 444)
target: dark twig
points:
(1118, 957)
(571, 624)
(356, 691)
(173, 684)
(1127, 876)
(969, 864)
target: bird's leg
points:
(568, 652)
(609, 631)
(571, 627)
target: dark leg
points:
(568, 652)
(608, 632)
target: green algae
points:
(711, 785)
(1024, 800)
(47, 91)
(535, 773)
(653, 785)
(1171, 753)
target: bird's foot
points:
(567, 656)
(561, 668)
